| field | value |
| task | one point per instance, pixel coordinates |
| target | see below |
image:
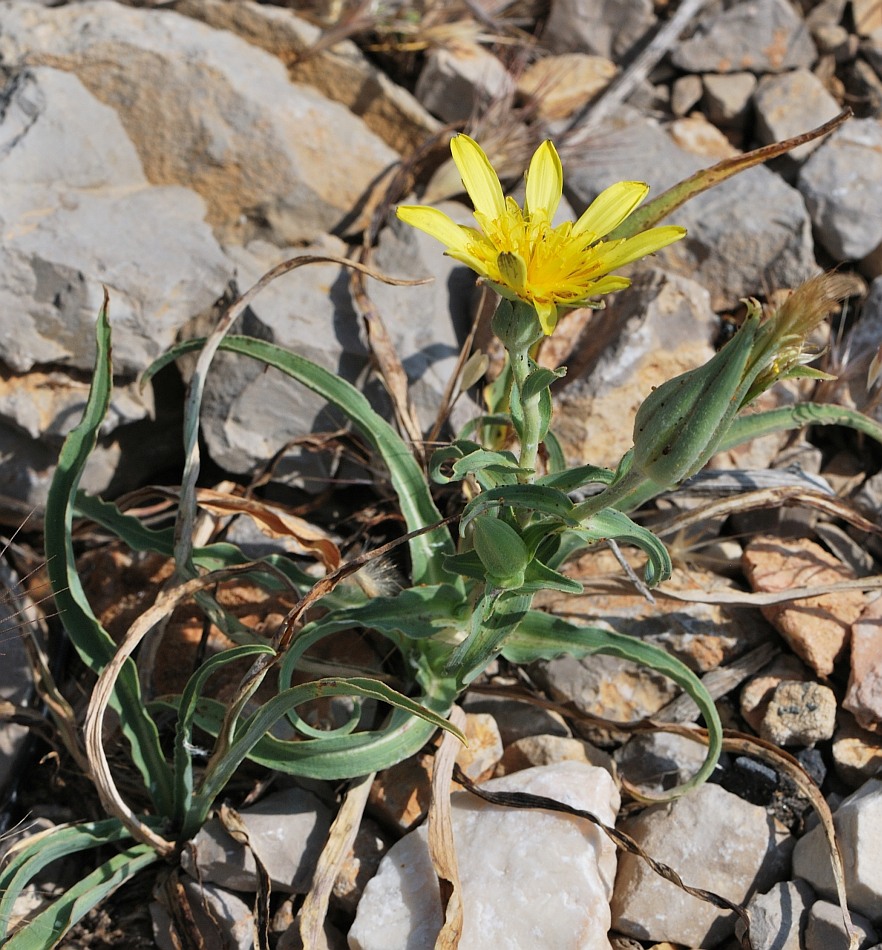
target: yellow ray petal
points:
(610, 208)
(544, 181)
(478, 176)
(437, 224)
(646, 242)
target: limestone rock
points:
(816, 628)
(609, 29)
(400, 795)
(660, 327)
(539, 750)
(857, 754)
(864, 696)
(840, 182)
(341, 72)
(221, 918)
(778, 918)
(727, 97)
(559, 85)
(456, 80)
(764, 36)
(287, 830)
(799, 714)
(529, 877)
(712, 839)
(484, 749)
(658, 761)
(250, 413)
(826, 929)
(858, 823)
(790, 104)
(237, 137)
(99, 221)
(516, 720)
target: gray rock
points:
(341, 71)
(287, 830)
(254, 145)
(799, 714)
(858, 823)
(763, 36)
(71, 226)
(530, 878)
(685, 93)
(249, 414)
(841, 182)
(790, 104)
(516, 720)
(659, 327)
(428, 346)
(727, 97)
(222, 919)
(732, 253)
(455, 82)
(778, 917)
(826, 929)
(712, 839)
(608, 28)
(606, 686)
(658, 761)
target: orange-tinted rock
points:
(817, 628)
(864, 696)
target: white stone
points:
(858, 823)
(530, 878)
(712, 839)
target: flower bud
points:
(680, 424)
(502, 551)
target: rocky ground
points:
(174, 152)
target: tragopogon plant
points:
(468, 595)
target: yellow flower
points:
(520, 253)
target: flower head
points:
(518, 250)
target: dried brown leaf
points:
(340, 839)
(442, 847)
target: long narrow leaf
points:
(754, 425)
(260, 722)
(38, 851)
(543, 636)
(92, 642)
(50, 925)
(187, 819)
(407, 478)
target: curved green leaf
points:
(91, 641)
(540, 498)
(752, 426)
(543, 636)
(186, 818)
(46, 929)
(417, 506)
(338, 756)
(611, 523)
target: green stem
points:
(531, 420)
(610, 497)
